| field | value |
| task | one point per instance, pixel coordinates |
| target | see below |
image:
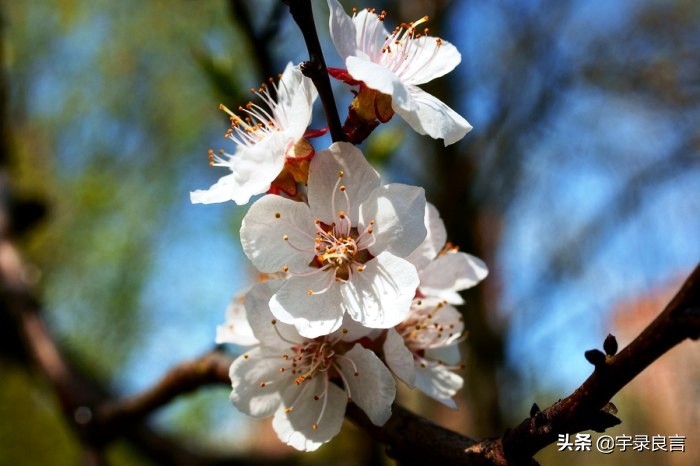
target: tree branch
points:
(411, 439)
(208, 369)
(315, 67)
(582, 409)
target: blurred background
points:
(579, 186)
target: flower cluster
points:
(358, 283)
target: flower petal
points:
(359, 179)
(381, 79)
(247, 372)
(253, 170)
(450, 273)
(313, 314)
(397, 228)
(431, 58)
(260, 318)
(447, 319)
(380, 296)
(399, 358)
(296, 427)
(370, 383)
(342, 30)
(439, 383)
(434, 241)
(433, 117)
(264, 227)
(351, 330)
(295, 98)
(449, 354)
(370, 34)
(236, 329)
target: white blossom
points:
(395, 64)
(444, 271)
(265, 135)
(306, 383)
(236, 329)
(344, 251)
(423, 350)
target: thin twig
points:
(315, 67)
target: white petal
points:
(314, 314)
(342, 30)
(295, 428)
(450, 319)
(359, 179)
(253, 169)
(449, 354)
(399, 358)
(450, 273)
(222, 191)
(430, 61)
(381, 79)
(439, 383)
(260, 317)
(433, 117)
(295, 98)
(351, 330)
(434, 241)
(370, 34)
(247, 372)
(373, 388)
(398, 211)
(380, 296)
(262, 234)
(236, 329)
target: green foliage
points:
(32, 430)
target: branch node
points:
(595, 357)
(602, 420)
(534, 410)
(610, 345)
(310, 68)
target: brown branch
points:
(315, 68)
(209, 369)
(582, 409)
(412, 440)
